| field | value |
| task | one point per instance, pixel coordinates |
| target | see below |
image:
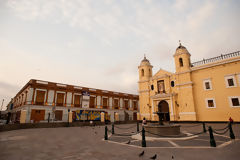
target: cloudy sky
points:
(100, 43)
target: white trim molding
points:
(230, 101)
(184, 84)
(187, 113)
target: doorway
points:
(163, 108)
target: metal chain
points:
(123, 128)
(221, 132)
(221, 129)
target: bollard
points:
(106, 134)
(204, 128)
(212, 140)
(143, 138)
(137, 126)
(231, 134)
(112, 128)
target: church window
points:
(161, 87)
(181, 62)
(172, 84)
(210, 103)
(150, 73)
(207, 85)
(234, 101)
(152, 87)
(230, 81)
(142, 72)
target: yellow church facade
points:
(207, 90)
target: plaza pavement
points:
(86, 143)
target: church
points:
(207, 90)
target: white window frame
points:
(206, 102)
(230, 77)
(210, 84)
(230, 101)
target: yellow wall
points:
(187, 99)
(219, 92)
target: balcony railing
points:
(215, 59)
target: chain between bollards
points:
(143, 138)
(231, 134)
(106, 134)
(113, 128)
(212, 140)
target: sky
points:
(100, 43)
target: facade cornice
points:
(182, 84)
(159, 77)
(177, 73)
(145, 65)
(163, 95)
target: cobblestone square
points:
(87, 143)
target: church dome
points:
(145, 61)
(181, 50)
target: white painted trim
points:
(61, 85)
(230, 101)
(187, 113)
(92, 95)
(184, 84)
(41, 82)
(230, 77)
(206, 102)
(105, 91)
(76, 87)
(210, 84)
(91, 89)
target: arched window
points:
(181, 62)
(142, 72)
(150, 72)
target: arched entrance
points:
(163, 109)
